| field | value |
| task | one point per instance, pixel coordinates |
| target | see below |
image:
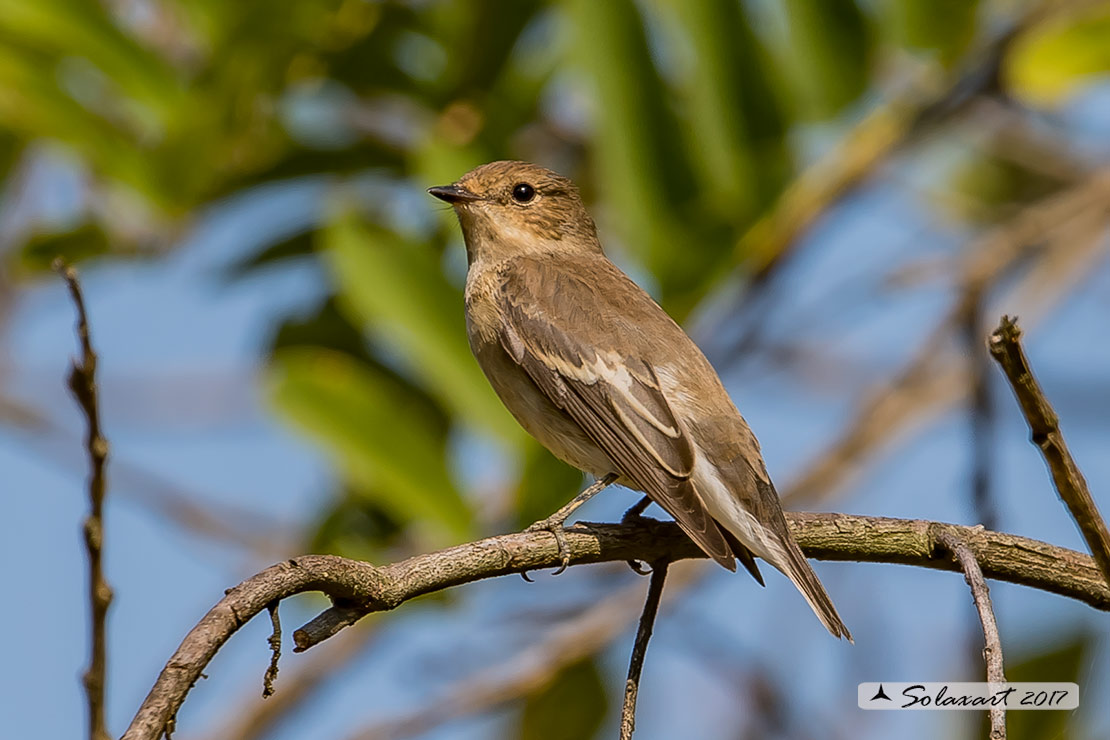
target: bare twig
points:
(823, 536)
(1005, 347)
(326, 624)
(992, 643)
(639, 649)
(274, 640)
(251, 719)
(82, 383)
(980, 409)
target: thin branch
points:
(251, 719)
(639, 649)
(274, 641)
(1005, 347)
(980, 408)
(533, 668)
(379, 588)
(82, 383)
(327, 624)
(992, 643)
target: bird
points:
(593, 368)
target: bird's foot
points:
(557, 527)
(555, 523)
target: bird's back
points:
(588, 289)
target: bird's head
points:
(507, 208)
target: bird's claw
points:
(558, 530)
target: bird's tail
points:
(756, 525)
(799, 571)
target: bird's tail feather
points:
(798, 570)
(766, 535)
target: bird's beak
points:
(454, 194)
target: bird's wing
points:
(613, 395)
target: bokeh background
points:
(838, 199)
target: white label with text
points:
(967, 695)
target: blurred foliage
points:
(84, 242)
(993, 185)
(358, 527)
(681, 120)
(402, 299)
(378, 436)
(943, 27)
(831, 54)
(1051, 61)
(571, 707)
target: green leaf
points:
(737, 130)
(296, 247)
(84, 242)
(992, 185)
(75, 28)
(474, 67)
(323, 326)
(10, 150)
(34, 106)
(326, 327)
(639, 161)
(945, 26)
(400, 295)
(1051, 61)
(377, 437)
(830, 53)
(571, 707)
(356, 526)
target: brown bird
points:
(595, 370)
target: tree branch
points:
(639, 649)
(82, 383)
(274, 642)
(1005, 347)
(372, 588)
(992, 643)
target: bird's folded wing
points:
(617, 401)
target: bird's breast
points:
(549, 424)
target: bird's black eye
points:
(523, 192)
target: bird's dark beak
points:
(453, 194)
